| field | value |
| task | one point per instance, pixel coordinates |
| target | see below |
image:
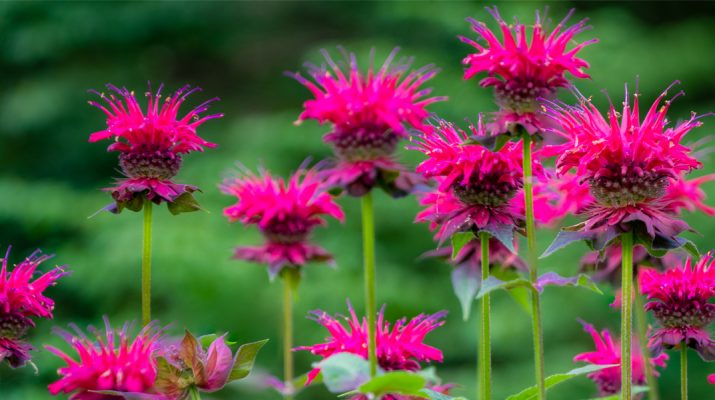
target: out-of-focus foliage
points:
(51, 53)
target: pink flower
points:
(286, 212)
(711, 379)
(400, 347)
(21, 299)
(681, 302)
(685, 194)
(627, 163)
(369, 112)
(112, 362)
(150, 143)
(521, 70)
(608, 352)
(556, 197)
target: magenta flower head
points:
(521, 70)
(285, 212)
(107, 366)
(711, 379)
(399, 347)
(681, 300)
(370, 112)
(21, 299)
(151, 145)
(608, 352)
(628, 164)
(476, 186)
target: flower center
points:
(13, 326)
(618, 190)
(150, 164)
(521, 96)
(363, 143)
(487, 192)
(688, 314)
(289, 230)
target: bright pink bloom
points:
(681, 302)
(555, 198)
(685, 194)
(369, 112)
(21, 299)
(521, 70)
(627, 163)
(150, 143)
(711, 379)
(400, 347)
(112, 362)
(285, 212)
(608, 352)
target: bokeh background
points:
(50, 176)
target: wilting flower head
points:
(151, 142)
(521, 70)
(21, 299)
(476, 186)
(627, 163)
(681, 302)
(399, 347)
(285, 212)
(369, 111)
(608, 352)
(112, 361)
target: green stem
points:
(146, 264)
(368, 239)
(486, 392)
(683, 371)
(626, 313)
(288, 334)
(538, 335)
(194, 393)
(642, 328)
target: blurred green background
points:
(50, 176)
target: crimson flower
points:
(523, 68)
(681, 300)
(151, 144)
(608, 352)
(285, 212)
(711, 379)
(369, 112)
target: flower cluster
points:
(369, 112)
(522, 71)
(681, 302)
(608, 352)
(286, 212)
(151, 145)
(22, 298)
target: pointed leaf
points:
(397, 382)
(688, 246)
(344, 372)
(184, 203)
(634, 390)
(554, 279)
(432, 395)
(459, 240)
(503, 233)
(565, 238)
(553, 380)
(466, 281)
(492, 284)
(522, 297)
(244, 360)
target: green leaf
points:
(554, 279)
(344, 372)
(492, 284)
(431, 394)
(459, 240)
(397, 382)
(184, 203)
(689, 247)
(522, 297)
(553, 380)
(206, 340)
(503, 233)
(430, 374)
(465, 282)
(244, 360)
(634, 390)
(565, 238)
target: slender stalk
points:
(642, 330)
(683, 371)
(538, 335)
(146, 264)
(626, 313)
(486, 359)
(368, 239)
(288, 334)
(194, 393)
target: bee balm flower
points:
(286, 212)
(151, 143)
(369, 112)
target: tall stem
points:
(146, 264)
(368, 243)
(288, 333)
(194, 393)
(626, 313)
(486, 351)
(642, 330)
(538, 335)
(683, 371)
